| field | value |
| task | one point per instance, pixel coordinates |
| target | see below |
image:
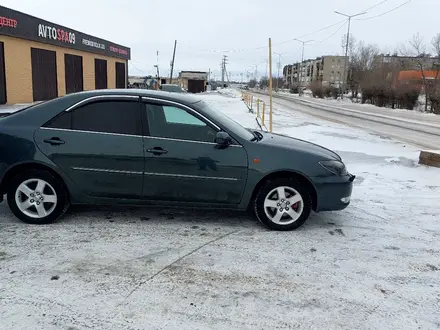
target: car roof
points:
(164, 95)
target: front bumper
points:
(334, 193)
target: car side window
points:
(175, 115)
(63, 120)
(176, 123)
(113, 116)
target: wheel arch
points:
(18, 168)
(303, 179)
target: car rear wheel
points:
(283, 204)
(37, 197)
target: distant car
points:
(145, 147)
(171, 88)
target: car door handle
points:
(157, 151)
(55, 141)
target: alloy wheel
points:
(283, 205)
(36, 198)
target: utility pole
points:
(291, 76)
(344, 77)
(172, 63)
(279, 66)
(157, 67)
(300, 65)
(223, 67)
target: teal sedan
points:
(140, 147)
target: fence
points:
(255, 103)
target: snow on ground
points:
(374, 265)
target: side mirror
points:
(223, 139)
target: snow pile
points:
(230, 92)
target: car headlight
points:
(334, 166)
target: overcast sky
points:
(207, 30)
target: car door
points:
(182, 162)
(99, 146)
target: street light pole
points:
(300, 64)
(345, 76)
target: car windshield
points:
(231, 124)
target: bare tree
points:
(417, 49)
(436, 45)
(435, 94)
(351, 44)
(252, 83)
(264, 82)
(361, 64)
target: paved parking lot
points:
(373, 265)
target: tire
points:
(296, 204)
(37, 188)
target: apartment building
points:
(329, 70)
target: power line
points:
(339, 29)
(132, 60)
(376, 5)
(326, 28)
(263, 47)
(387, 12)
(134, 66)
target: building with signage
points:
(40, 60)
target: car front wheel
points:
(283, 204)
(37, 197)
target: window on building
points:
(3, 98)
(120, 75)
(44, 74)
(100, 74)
(73, 70)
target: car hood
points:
(291, 143)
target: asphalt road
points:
(416, 130)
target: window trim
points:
(100, 97)
(177, 104)
(144, 124)
(93, 99)
(159, 102)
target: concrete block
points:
(430, 158)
